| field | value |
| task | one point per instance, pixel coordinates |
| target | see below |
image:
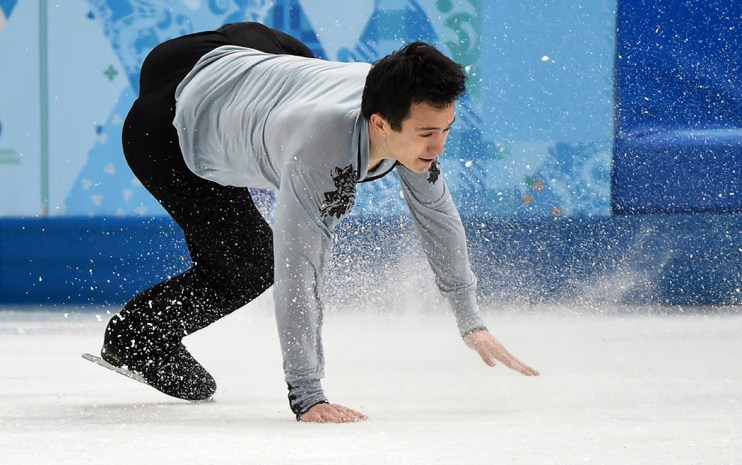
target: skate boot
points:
(170, 369)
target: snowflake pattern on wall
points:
(6, 8)
(473, 166)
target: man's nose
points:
(437, 145)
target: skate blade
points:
(119, 370)
(135, 376)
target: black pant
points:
(230, 244)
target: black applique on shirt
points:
(340, 201)
(433, 172)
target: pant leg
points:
(230, 243)
(260, 37)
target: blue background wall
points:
(679, 113)
(544, 178)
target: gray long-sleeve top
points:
(251, 119)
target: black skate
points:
(174, 372)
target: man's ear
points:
(379, 123)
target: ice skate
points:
(174, 372)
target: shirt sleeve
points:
(443, 240)
(302, 247)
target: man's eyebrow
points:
(426, 128)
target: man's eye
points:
(427, 134)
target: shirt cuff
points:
(466, 310)
(304, 395)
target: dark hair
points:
(416, 73)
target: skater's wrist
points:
(473, 330)
(305, 394)
(466, 310)
(310, 407)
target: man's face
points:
(422, 136)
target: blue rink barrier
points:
(639, 259)
(678, 109)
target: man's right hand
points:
(332, 413)
(492, 351)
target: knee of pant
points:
(248, 282)
(257, 275)
(253, 267)
(265, 274)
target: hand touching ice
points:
(332, 413)
(489, 348)
(492, 351)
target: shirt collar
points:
(360, 136)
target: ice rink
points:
(617, 386)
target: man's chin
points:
(422, 165)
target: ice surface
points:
(624, 387)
